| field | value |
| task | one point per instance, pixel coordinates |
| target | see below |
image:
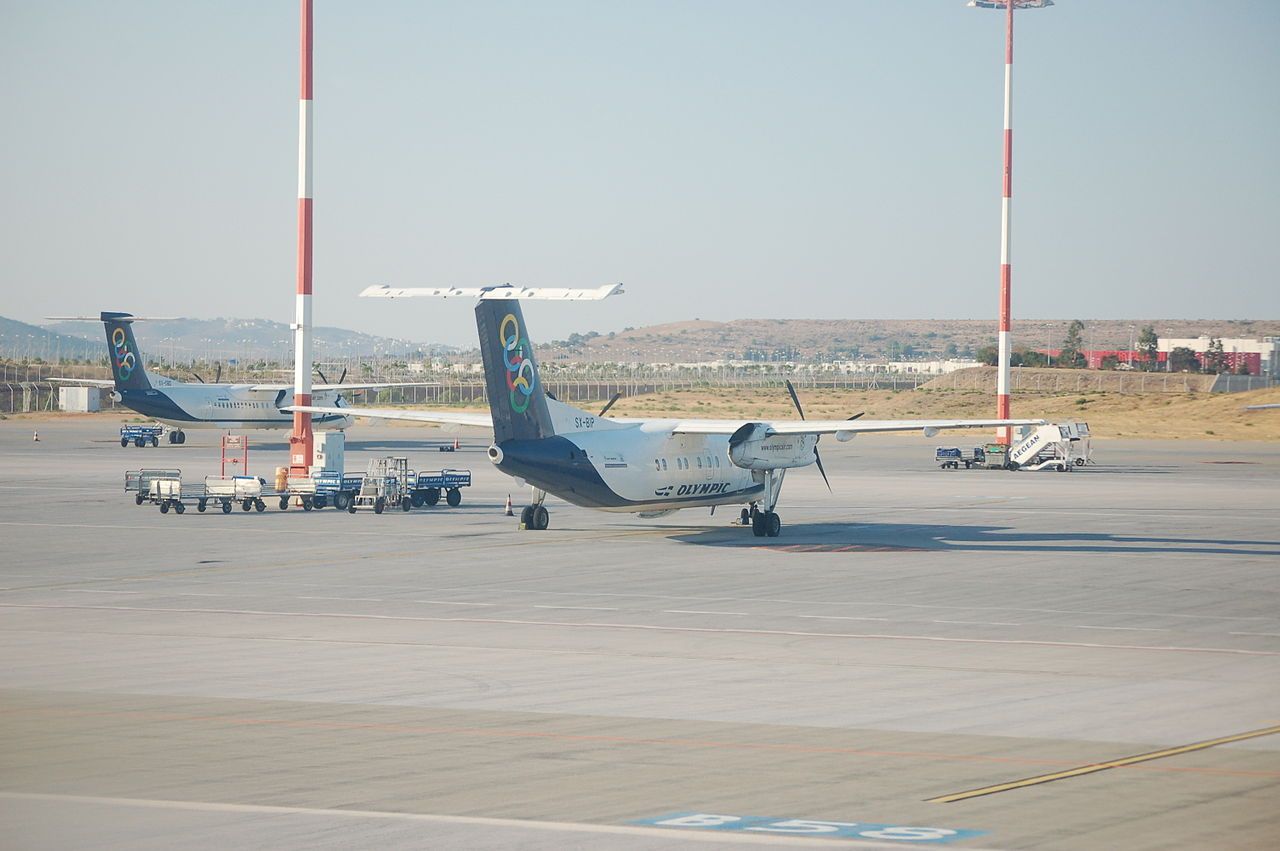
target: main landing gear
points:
(766, 523)
(177, 436)
(535, 517)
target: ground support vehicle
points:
(228, 490)
(996, 455)
(951, 457)
(334, 488)
(138, 482)
(141, 435)
(1047, 447)
(427, 487)
(385, 485)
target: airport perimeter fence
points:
(1035, 380)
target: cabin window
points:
(664, 464)
(699, 463)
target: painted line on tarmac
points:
(663, 835)
(1231, 651)
(1093, 768)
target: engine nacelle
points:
(752, 447)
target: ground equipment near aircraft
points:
(428, 486)
(227, 490)
(951, 457)
(138, 482)
(141, 435)
(385, 485)
(1053, 446)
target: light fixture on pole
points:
(1004, 435)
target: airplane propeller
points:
(217, 379)
(197, 377)
(320, 372)
(605, 409)
(799, 410)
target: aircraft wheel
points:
(379, 505)
(526, 517)
(541, 518)
(179, 507)
(182, 437)
(164, 508)
(433, 496)
(124, 441)
(226, 507)
(453, 497)
(772, 524)
(745, 517)
(173, 437)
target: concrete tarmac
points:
(438, 678)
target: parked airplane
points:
(648, 467)
(182, 405)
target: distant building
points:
(1259, 357)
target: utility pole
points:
(302, 441)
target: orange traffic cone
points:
(510, 513)
(455, 443)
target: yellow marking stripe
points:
(1102, 766)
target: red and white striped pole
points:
(302, 441)
(1005, 435)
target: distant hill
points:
(841, 339)
(248, 339)
(19, 340)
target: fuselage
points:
(224, 406)
(632, 467)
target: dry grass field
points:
(1160, 416)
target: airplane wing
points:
(504, 291)
(273, 388)
(841, 427)
(466, 418)
(1247, 407)
(87, 382)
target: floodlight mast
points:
(1004, 435)
(302, 440)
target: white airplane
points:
(183, 405)
(648, 467)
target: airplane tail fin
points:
(517, 400)
(123, 352)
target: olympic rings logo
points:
(522, 378)
(125, 360)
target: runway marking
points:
(451, 603)
(1125, 628)
(1104, 766)
(417, 730)
(657, 628)
(661, 834)
(980, 623)
(98, 591)
(1267, 634)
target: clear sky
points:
(723, 158)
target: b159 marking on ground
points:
(1102, 766)
(809, 827)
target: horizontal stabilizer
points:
(502, 291)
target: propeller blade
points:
(791, 388)
(218, 378)
(197, 376)
(821, 469)
(343, 377)
(855, 416)
(320, 373)
(605, 409)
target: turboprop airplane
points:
(182, 404)
(648, 467)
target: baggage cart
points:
(428, 486)
(385, 485)
(141, 435)
(138, 482)
(951, 457)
